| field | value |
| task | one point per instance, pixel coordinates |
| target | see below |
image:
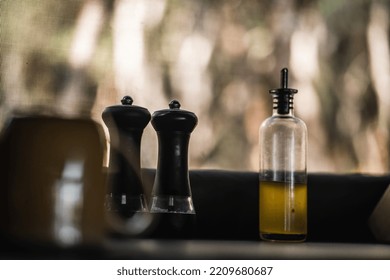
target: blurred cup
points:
(52, 184)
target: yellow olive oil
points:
(283, 211)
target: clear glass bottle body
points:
(283, 178)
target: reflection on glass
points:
(69, 203)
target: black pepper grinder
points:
(125, 196)
(172, 205)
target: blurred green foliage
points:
(219, 58)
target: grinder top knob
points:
(174, 119)
(126, 116)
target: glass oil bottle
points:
(283, 175)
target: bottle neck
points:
(283, 105)
(289, 114)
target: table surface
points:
(179, 249)
(212, 249)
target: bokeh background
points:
(219, 59)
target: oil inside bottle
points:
(283, 211)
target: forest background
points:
(219, 59)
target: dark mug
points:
(52, 184)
